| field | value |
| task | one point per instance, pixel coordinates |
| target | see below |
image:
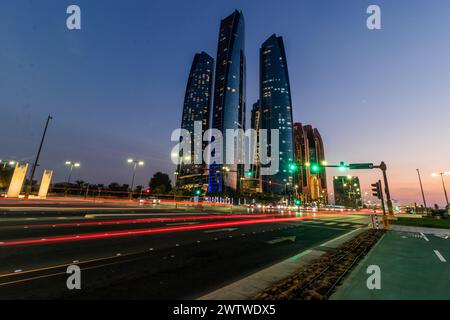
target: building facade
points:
(229, 101)
(347, 191)
(197, 106)
(276, 112)
(309, 151)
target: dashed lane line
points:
(439, 255)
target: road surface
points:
(149, 253)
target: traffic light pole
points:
(390, 208)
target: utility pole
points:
(445, 190)
(423, 194)
(36, 161)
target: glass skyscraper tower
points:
(229, 100)
(197, 106)
(276, 112)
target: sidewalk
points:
(414, 265)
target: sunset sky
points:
(116, 88)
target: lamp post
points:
(71, 166)
(135, 164)
(421, 189)
(10, 163)
(442, 174)
(36, 161)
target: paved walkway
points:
(414, 265)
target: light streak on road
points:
(139, 232)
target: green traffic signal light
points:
(249, 174)
(315, 168)
(293, 167)
(342, 167)
(197, 192)
(297, 202)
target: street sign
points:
(358, 166)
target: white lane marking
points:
(439, 255)
(443, 236)
(343, 224)
(340, 237)
(278, 240)
(330, 223)
(220, 230)
(18, 270)
(424, 236)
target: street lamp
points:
(135, 164)
(71, 166)
(10, 163)
(442, 174)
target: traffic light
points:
(342, 167)
(377, 190)
(293, 167)
(249, 174)
(314, 168)
(297, 202)
(197, 192)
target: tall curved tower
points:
(197, 105)
(276, 110)
(229, 99)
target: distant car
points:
(150, 199)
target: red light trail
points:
(123, 233)
(151, 220)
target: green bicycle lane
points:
(413, 266)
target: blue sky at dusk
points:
(116, 88)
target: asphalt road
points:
(146, 254)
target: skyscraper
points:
(255, 123)
(229, 99)
(347, 191)
(276, 111)
(309, 150)
(197, 105)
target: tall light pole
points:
(36, 161)
(5, 163)
(71, 166)
(421, 188)
(442, 174)
(135, 164)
